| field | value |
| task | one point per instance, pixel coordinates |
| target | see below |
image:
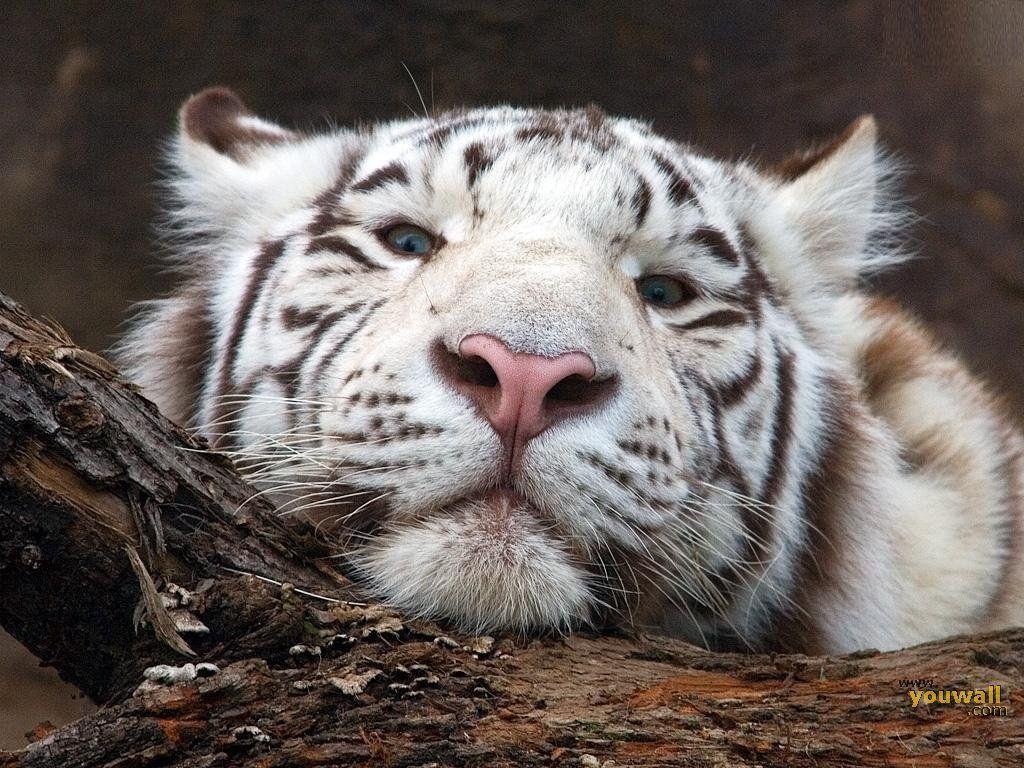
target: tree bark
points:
(109, 512)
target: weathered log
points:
(105, 507)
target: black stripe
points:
(717, 242)
(544, 126)
(293, 317)
(722, 318)
(338, 244)
(438, 135)
(327, 217)
(755, 282)
(341, 343)
(441, 130)
(782, 433)
(327, 322)
(725, 466)
(826, 488)
(642, 201)
(732, 391)
(757, 520)
(679, 189)
(707, 416)
(287, 377)
(263, 264)
(393, 172)
(477, 161)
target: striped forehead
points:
(533, 167)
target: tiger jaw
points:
(565, 540)
(484, 563)
(562, 541)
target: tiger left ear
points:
(830, 197)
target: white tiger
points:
(540, 369)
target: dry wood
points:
(108, 513)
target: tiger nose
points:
(521, 394)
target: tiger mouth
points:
(494, 508)
(501, 501)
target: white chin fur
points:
(485, 566)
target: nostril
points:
(465, 373)
(580, 391)
(571, 389)
(475, 370)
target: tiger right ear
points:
(225, 164)
(218, 119)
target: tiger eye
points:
(409, 240)
(663, 291)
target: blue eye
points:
(409, 240)
(663, 291)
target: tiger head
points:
(529, 369)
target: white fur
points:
(542, 251)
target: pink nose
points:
(521, 395)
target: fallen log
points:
(156, 580)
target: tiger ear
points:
(831, 198)
(217, 120)
(222, 164)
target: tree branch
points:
(108, 511)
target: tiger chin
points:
(531, 370)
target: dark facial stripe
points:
(287, 375)
(264, 263)
(718, 244)
(732, 391)
(707, 417)
(393, 172)
(642, 201)
(679, 189)
(727, 466)
(477, 161)
(438, 135)
(333, 352)
(443, 128)
(782, 433)
(327, 322)
(337, 244)
(756, 282)
(544, 127)
(328, 217)
(722, 318)
(293, 317)
(757, 522)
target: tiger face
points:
(528, 369)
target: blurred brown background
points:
(89, 90)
